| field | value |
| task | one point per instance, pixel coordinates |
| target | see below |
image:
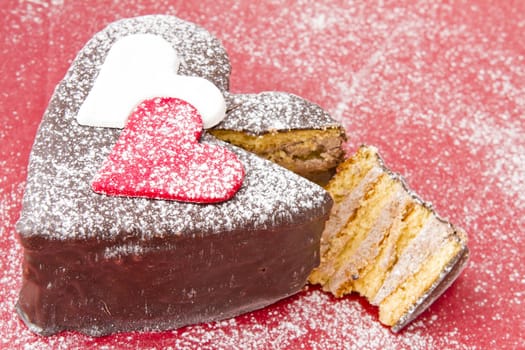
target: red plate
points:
(439, 88)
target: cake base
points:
(100, 288)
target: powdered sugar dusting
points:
(268, 198)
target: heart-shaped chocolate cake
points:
(138, 215)
(99, 263)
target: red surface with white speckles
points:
(162, 135)
(438, 87)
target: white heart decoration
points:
(139, 67)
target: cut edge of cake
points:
(285, 129)
(385, 243)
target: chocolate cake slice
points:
(385, 243)
(285, 129)
(100, 264)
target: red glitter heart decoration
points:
(158, 155)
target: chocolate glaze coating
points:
(99, 288)
(272, 111)
(100, 264)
